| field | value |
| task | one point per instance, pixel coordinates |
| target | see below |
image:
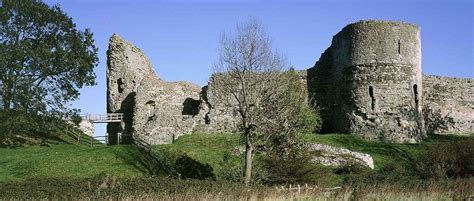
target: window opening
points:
(371, 94)
(151, 108)
(120, 85)
(415, 92)
(399, 47)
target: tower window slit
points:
(399, 47)
(371, 94)
(415, 93)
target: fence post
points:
(299, 189)
(106, 139)
(79, 138)
(91, 140)
(118, 137)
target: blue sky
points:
(180, 37)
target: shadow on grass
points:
(156, 162)
(136, 158)
(190, 168)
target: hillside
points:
(66, 160)
(66, 170)
(217, 150)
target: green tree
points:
(44, 58)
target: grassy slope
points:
(210, 148)
(65, 161)
(205, 148)
(382, 153)
(70, 160)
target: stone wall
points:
(368, 82)
(126, 67)
(158, 111)
(220, 117)
(166, 110)
(448, 105)
(87, 127)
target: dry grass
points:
(112, 188)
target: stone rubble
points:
(338, 156)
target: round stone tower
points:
(376, 66)
(382, 72)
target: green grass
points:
(210, 148)
(382, 153)
(80, 161)
(65, 160)
(205, 148)
(64, 169)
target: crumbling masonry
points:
(368, 83)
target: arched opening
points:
(415, 93)
(371, 94)
(120, 85)
(191, 107)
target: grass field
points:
(71, 160)
(64, 161)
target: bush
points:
(231, 168)
(292, 165)
(447, 160)
(356, 174)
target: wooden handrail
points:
(104, 118)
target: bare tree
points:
(249, 77)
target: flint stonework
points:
(367, 83)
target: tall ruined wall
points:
(126, 67)
(448, 105)
(220, 117)
(166, 110)
(368, 82)
(155, 110)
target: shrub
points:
(231, 168)
(447, 160)
(293, 165)
(355, 174)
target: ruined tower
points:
(369, 82)
(154, 110)
(126, 67)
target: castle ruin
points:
(368, 83)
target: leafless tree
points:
(249, 76)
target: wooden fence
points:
(104, 139)
(103, 118)
(305, 187)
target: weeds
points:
(162, 188)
